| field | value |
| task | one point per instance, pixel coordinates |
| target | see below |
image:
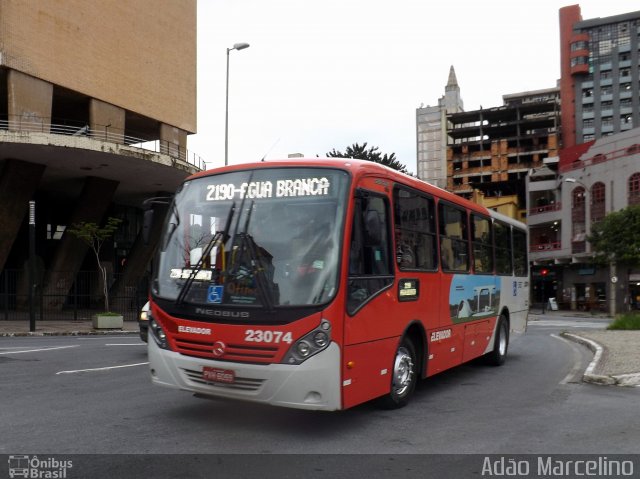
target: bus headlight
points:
(158, 333)
(320, 339)
(303, 348)
(310, 344)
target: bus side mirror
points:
(147, 222)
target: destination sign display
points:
(278, 188)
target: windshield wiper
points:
(220, 238)
(249, 247)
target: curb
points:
(629, 380)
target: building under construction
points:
(492, 150)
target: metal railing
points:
(102, 133)
(545, 209)
(83, 299)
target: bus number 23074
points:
(261, 336)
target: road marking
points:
(576, 371)
(126, 344)
(101, 369)
(40, 349)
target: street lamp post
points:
(237, 46)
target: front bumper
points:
(314, 384)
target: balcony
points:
(536, 210)
(105, 134)
(536, 248)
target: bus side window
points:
(415, 230)
(521, 263)
(502, 241)
(454, 245)
(369, 257)
(482, 237)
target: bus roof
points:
(359, 169)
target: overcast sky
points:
(326, 74)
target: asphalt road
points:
(92, 395)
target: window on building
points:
(578, 228)
(634, 189)
(597, 202)
(55, 232)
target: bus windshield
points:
(264, 237)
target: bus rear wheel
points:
(403, 376)
(498, 355)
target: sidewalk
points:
(616, 359)
(62, 328)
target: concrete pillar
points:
(107, 122)
(18, 183)
(29, 102)
(138, 259)
(91, 206)
(173, 141)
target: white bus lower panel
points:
(314, 384)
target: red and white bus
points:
(325, 283)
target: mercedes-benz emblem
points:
(218, 348)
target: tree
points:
(94, 236)
(361, 152)
(616, 238)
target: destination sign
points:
(285, 188)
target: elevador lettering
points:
(549, 466)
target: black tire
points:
(498, 355)
(404, 376)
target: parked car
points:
(143, 322)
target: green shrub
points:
(626, 321)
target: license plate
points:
(217, 375)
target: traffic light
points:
(544, 272)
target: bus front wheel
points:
(498, 355)
(404, 376)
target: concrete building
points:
(600, 82)
(96, 102)
(594, 179)
(492, 150)
(431, 133)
